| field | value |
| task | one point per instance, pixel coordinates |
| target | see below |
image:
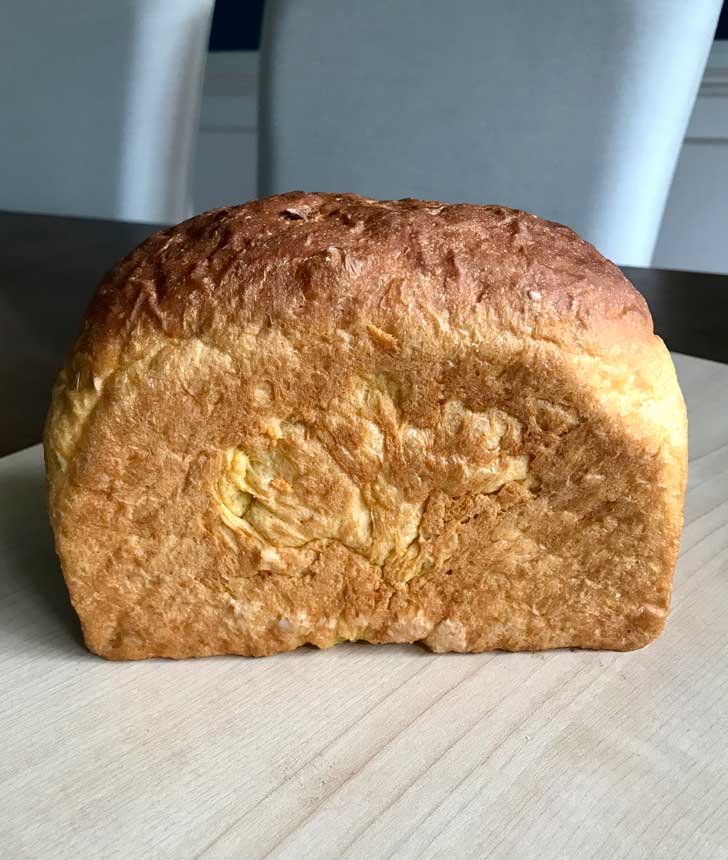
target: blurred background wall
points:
(695, 224)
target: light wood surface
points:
(370, 751)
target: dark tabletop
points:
(49, 266)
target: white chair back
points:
(573, 110)
(100, 105)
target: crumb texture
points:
(319, 418)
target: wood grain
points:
(370, 751)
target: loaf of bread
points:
(319, 418)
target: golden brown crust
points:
(316, 417)
(266, 257)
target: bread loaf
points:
(318, 418)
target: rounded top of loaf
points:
(328, 260)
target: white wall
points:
(694, 233)
(226, 159)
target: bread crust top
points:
(285, 257)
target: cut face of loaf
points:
(318, 418)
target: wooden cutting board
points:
(370, 751)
